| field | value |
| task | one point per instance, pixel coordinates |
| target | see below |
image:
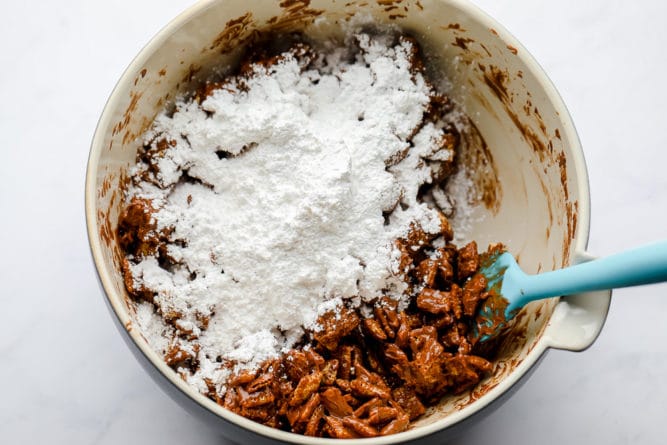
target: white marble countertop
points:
(67, 377)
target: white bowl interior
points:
(525, 159)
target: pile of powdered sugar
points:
(300, 177)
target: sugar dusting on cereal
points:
(282, 194)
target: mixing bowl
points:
(521, 151)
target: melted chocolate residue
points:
(232, 35)
(462, 42)
(477, 157)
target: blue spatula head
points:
(511, 288)
(500, 307)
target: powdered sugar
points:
(283, 193)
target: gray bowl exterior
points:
(522, 153)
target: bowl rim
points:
(114, 301)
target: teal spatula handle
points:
(642, 265)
